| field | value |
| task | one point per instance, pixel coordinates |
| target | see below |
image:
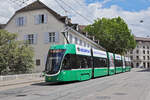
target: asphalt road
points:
(134, 85)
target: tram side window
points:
(100, 62)
(84, 61)
(127, 63)
(72, 61)
(118, 63)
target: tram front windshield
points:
(54, 60)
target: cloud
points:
(91, 11)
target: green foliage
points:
(113, 34)
(15, 56)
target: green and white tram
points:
(118, 63)
(71, 62)
(68, 63)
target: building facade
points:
(43, 27)
(140, 56)
(2, 26)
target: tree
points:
(113, 34)
(15, 56)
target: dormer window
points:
(20, 21)
(41, 19)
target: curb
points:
(21, 83)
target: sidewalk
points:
(21, 81)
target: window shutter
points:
(36, 19)
(45, 18)
(16, 21)
(24, 20)
(57, 37)
(25, 38)
(35, 39)
(46, 37)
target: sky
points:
(86, 11)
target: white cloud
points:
(90, 11)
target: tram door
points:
(92, 63)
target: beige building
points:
(140, 56)
(43, 27)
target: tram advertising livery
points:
(72, 62)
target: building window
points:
(31, 38)
(144, 57)
(137, 51)
(84, 44)
(41, 18)
(148, 57)
(143, 51)
(88, 45)
(76, 40)
(137, 64)
(147, 52)
(52, 37)
(20, 21)
(144, 64)
(131, 57)
(137, 57)
(131, 52)
(38, 62)
(147, 47)
(148, 65)
(81, 42)
(143, 47)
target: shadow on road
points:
(54, 83)
(144, 70)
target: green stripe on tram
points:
(119, 69)
(128, 68)
(100, 72)
(111, 71)
(71, 75)
(77, 75)
(124, 70)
